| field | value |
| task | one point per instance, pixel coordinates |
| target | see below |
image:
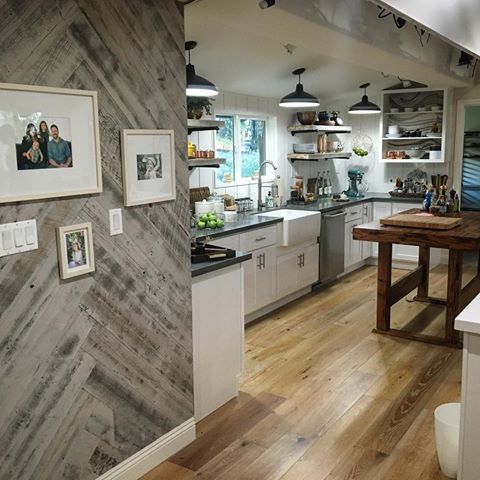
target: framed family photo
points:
(148, 158)
(75, 250)
(49, 143)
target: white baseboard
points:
(152, 455)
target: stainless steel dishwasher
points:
(332, 245)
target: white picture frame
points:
(148, 163)
(75, 250)
(26, 172)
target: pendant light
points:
(197, 86)
(299, 98)
(364, 107)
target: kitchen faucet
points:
(260, 204)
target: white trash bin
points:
(447, 437)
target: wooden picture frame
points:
(148, 162)
(75, 250)
(42, 131)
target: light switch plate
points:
(18, 237)
(116, 223)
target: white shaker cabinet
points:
(353, 248)
(296, 269)
(260, 279)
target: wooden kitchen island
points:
(465, 237)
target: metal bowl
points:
(306, 118)
(415, 152)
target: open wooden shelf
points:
(317, 156)
(202, 125)
(319, 128)
(205, 162)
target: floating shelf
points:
(410, 160)
(319, 128)
(317, 156)
(410, 138)
(434, 112)
(205, 162)
(202, 125)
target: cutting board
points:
(422, 220)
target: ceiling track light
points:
(364, 107)
(197, 86)
(299, 98)
(263, 4)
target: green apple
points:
(212, 224)
(203, 217)
(201, 225)
(220, 223)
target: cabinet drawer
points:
(353, 213)
(258, 238)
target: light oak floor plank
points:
(324, 398)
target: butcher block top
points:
(418, 219)
(465, 236)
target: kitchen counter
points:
(245, 221)
(207, 267)
(249, 221)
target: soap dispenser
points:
(269, 200)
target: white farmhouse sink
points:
(298, 226)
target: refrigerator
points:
(470, 199)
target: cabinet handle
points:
(260, 239)
(303, 259)
(259, 261)
(263, 260)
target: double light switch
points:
(18, 237)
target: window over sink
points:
(244, 142)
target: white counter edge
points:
(468, 320)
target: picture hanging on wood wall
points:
(148, 158)
(49, 143)
(75, 250)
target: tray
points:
(210, 253)
(407, 195)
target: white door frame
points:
(459, 138)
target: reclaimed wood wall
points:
(95, 368)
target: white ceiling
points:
(241, 49)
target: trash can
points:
(447, 437)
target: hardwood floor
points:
(324, 398)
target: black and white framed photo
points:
(49, 143)
(148, 158)
(75, 250)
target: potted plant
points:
(196, 106)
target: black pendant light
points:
(364, 107)
(197, 86)
(299, 98)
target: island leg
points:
(454, 292)
(384, 283)
(424, 261)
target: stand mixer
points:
(355, 188)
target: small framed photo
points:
(148, 159)
(75, 250)
(49, 143)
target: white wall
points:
(379, 176)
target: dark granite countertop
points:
(245, 221)
(206, 267)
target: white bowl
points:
(393, 135)
(422, 109)
(394, 110)
(409, 109)
(434, 135)
(435, 108)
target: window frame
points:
(269, 148)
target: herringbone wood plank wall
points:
(95, 368)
